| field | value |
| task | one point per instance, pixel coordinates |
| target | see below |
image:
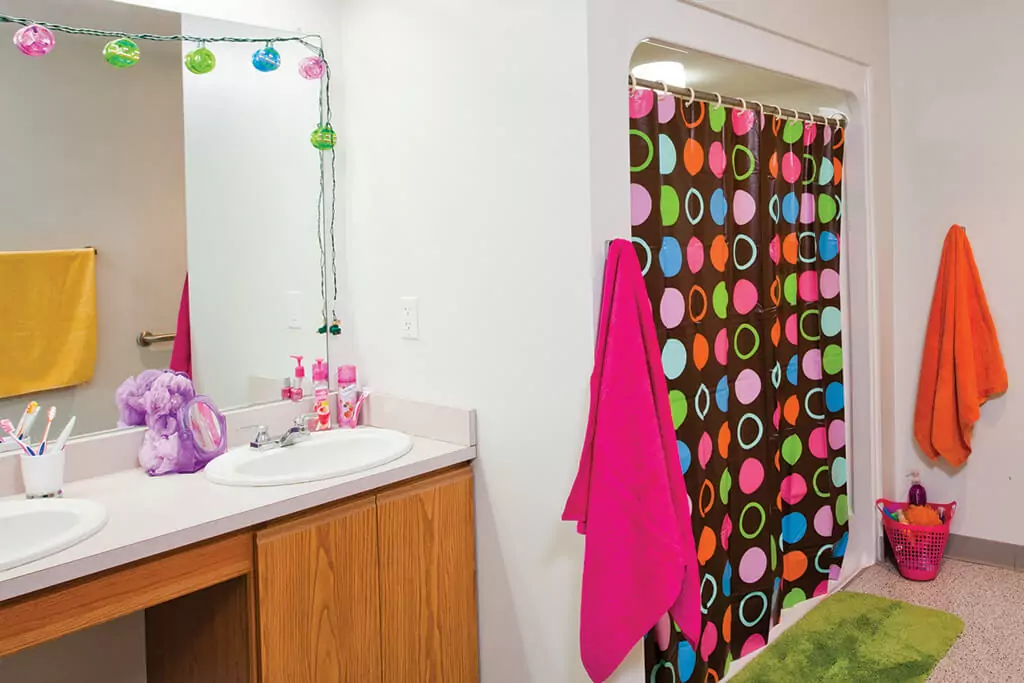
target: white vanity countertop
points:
(151, 515)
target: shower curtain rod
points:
(736, 102)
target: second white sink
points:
(321, 456)
(32, 529)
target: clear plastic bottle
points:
(300, 373)
(917, 494)
(321, 401)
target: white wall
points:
(96, 158)
(956, 145)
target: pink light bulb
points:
(312, 68)
(34, 40)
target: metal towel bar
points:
(147, 338)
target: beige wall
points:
(95, 156)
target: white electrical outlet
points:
(294, 310)
(410, 320)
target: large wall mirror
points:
(156, 174)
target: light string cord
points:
(325, 224)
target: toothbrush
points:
(50, 414)
(8, 427)
(65, 434)
(24, 416)
(30, 417)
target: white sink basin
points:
(321, 456)
(31, 529)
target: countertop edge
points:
(71, 570)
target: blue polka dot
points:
(828, 246)
(687, 660)
(684, 456)
(790, 207)
(776, 375)
(719, 206)
(722, 394)
(670, 256)
(666, 154)
(834, 397)
(673, 358)
(840, 548)
(792, 368)
(794, 526)
(727, 579)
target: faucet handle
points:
(262, 435)
(304, 420)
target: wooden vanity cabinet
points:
(381, 588)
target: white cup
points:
(43, 475)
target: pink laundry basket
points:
(918, 548)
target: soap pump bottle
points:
(321, 403)
(300, 373)
(347, 396)
(917, 494)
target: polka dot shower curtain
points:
(736, 220)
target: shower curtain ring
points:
(778, 109)
(689, 102)
(664, 90)
(839, 117)
(719, 104)
(744, 103)
(760, 108)
(796, 114)
(632, 84)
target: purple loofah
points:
(130, 395)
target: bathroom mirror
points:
(149, 173)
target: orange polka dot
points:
(706, 488)
(773, 165)
(700, 351)
(712, 676)
(776, 332)
(724, 439)
(777, 461)
(727, 625)
(792, 410)
(706, 546)
(839, 138)
(776, 291)
(791, 248)
(838, 173)
(778, 501)
(794, 564)
(693, 156)
(719, 253)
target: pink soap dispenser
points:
(917, 494)
(321, 403)
(300, 373)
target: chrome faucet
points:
(297, 432)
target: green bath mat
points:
(857, 637)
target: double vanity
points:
(270, 566)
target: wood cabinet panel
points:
(319, 617)
(428, 580)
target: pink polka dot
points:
(695, 255)
(754, 643)
(773, 250)
(791, 329)
(751, 475)
(811, 363)
(807, 285)
(826, 134)
(776, 416)
(743, 207)
(704, 450)
(742, 121)
(673, 307)
(807, 208)
(708, 641)
(641, 101)
(794, 488)
(716, 159)
(744, 296)
(816, 442)
(639, 204)
(791, 167)
(810, 132)
(666, 109)
(747, 386)
(726, 531)
(824, 521)
(753, 564)
(834, 572)
(837, 434)
(829, 284)
(821, 589)
(722, 347)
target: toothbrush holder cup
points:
(43, 475)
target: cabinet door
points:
(428, 580)
(319, 615)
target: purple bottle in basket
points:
(917, 494)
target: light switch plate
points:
(294, 310)
(410, 317)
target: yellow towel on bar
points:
(47, 320)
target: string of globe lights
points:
(122, 51)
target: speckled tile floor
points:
(990, 600)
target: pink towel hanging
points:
(629, 497)
(181, 353)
